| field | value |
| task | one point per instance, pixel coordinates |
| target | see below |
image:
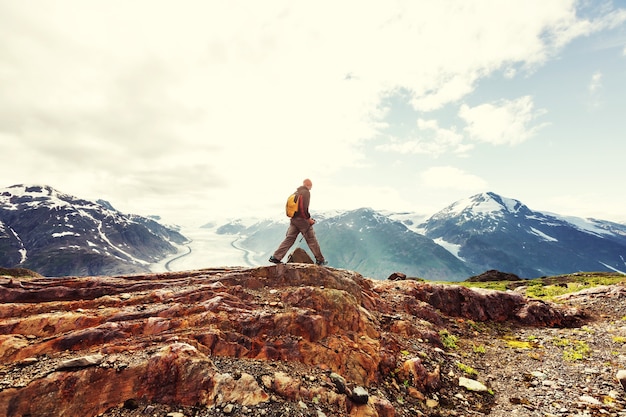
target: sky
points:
(199, 110)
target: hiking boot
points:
(321, 263)
(274, 260)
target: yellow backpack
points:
(292, 204)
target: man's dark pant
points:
(296, 226)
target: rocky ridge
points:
(302, 340)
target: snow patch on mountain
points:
(612, 268)
(22, 250)
(61, 234)
(450, 247)
(590, 226)
(543, 235)
(413, 221)
(484, 204)
(33, 196)
(547, 221)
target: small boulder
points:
(397, 276)
(82, 362)
(472, 385)
(339, 381)
(300, 256)
(493, 275)
(360, 395)
(621, 377)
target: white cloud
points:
(596, 83)
(448, 90)
(329, 197)
(451, 178)
(595, 91)
(434, 141)
(505, 122)
(222, 101)
(582, 204)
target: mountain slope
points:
(371, 243)
(58, 234)
(363, 240)
(480, 233)
(493, 232)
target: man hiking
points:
(301, 222)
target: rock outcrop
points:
(299, 255)
(224, 338)
(493, 275)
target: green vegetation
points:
(448, 340)
(550, 287)
(479, 349)
(562, 342)
(542, 291)
(619, 339)
(18, 272)
(513, 342)
(489, 285)
(521, 344)
(477, 327)
(468, 370)
(575, 350)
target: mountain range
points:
(492, 232)
(480, 233)
(57, 234)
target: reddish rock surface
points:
(209, 338)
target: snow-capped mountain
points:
(57, 234)
(376, 245)
(471, 236)
(488, 231)
(370, 242)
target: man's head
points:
(307, 183)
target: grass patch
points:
(521, 344)
(543, 291)
(547, 288)
(577, 352)
(448, 340)
(476, 327)
(619, 339)
(468, 370)
(479, 349)
(574, 350)
(489, 285)
(561, 342)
